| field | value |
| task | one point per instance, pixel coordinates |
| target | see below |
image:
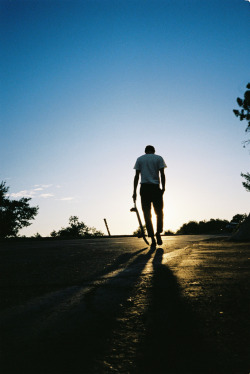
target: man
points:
(151, 167)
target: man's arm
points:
(163, 179)
(136, 180)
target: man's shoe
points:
(158, 238)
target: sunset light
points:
(87, 85)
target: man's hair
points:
(149, 149)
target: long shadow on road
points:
(74, 341)
(174, 343)
(118, 263)
(78, 339)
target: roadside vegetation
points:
(14, 214)
(17, 214)
(76, 230)
(213, 226)
(139, 233)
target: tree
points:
(192, 227)
(239, 218)
(76, 230)
(14, 214)
(213, 226)
(246, 183)
(37, 236)
(243, 233)
(244, 114)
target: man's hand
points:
(163, 180)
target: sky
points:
(86, 85)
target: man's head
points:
(149, 149)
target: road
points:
(116, 306)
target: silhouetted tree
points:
(243, 233)
(246, 183)
(239, 218)
(14, 214)
(139, 233)
(213, 226)
(244, 114)
(192, 227)
(37, 236)
(169, 233)
(76, 229)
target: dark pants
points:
(151, 193)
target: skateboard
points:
(134, 209)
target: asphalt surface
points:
(117, 306)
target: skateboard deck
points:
(134, 209)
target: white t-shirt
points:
(149, 166)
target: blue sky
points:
(86, 85)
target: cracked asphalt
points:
(113, 305)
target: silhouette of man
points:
(151, 169)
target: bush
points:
(139, 233)
(76, 230)
(169, 233)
